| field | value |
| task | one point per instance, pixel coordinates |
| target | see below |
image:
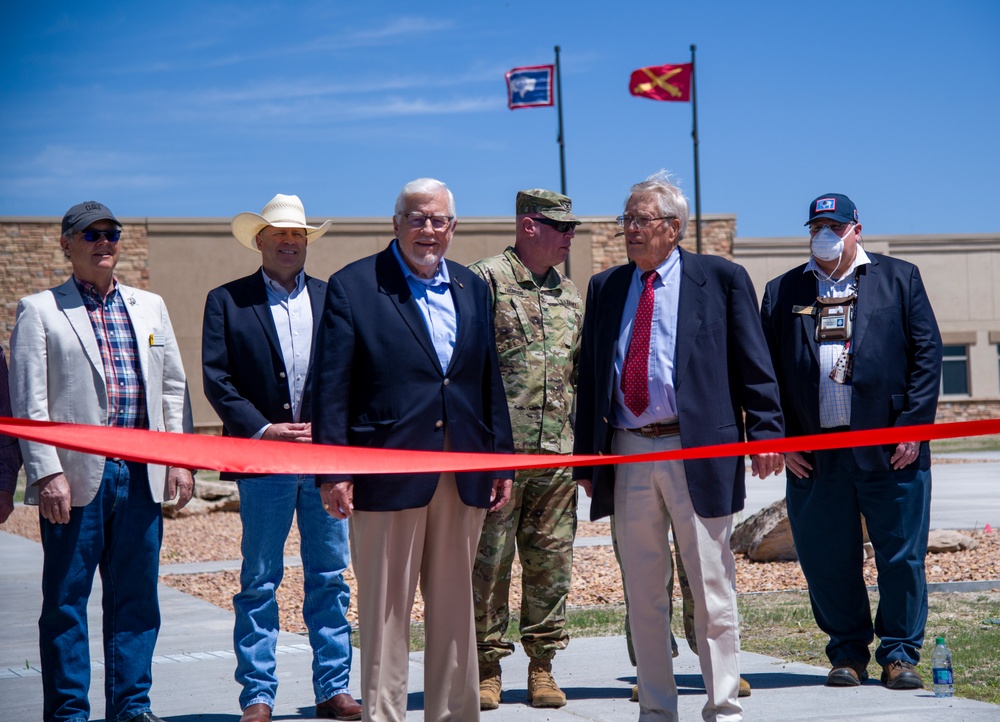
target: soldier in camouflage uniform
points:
(538, 315)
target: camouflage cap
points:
(546, 203)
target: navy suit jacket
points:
(722, 371)
(896, 347)
(379, 384)
(243, 369)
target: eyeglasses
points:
(640, 221)
(560, 226)
(837, 228)
(419, 220)
(91, 236)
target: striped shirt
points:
(119, 354)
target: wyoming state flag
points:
(662, 82)
(530, 87)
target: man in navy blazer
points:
(405, 359)
(856, 346)
(683, 377)
(257, 340)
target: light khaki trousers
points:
(649, 498)
(392, 551)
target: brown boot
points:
(744, 688)
(542, 688)
(489, 685)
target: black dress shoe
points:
(145, 717)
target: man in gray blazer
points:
(94, 351)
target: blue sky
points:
(210, 108)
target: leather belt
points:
(655, 431)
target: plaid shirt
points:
(120, 355)
(10, 451)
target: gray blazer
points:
(57, 375)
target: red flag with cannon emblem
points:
(662, 82)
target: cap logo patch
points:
(826, 204)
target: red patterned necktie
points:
(635, 374)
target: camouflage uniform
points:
(538, 341)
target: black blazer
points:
(378, 382)
(242, 367)
(722, 371)
(896, 346)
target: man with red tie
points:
(673, 356)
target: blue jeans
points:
(119, 532)
(825, 516)
(267, 504)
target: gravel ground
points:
(596, 581)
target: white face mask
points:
(827, 245)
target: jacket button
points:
(281, 375)
(287, 406)
(447, 381)
(438, 424)
(604, 419)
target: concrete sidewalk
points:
(193, 671)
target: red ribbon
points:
(246, 456)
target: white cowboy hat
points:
(281, 212)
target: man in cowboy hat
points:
(256, 354)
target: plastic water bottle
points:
(944, 683)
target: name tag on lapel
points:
(156, 339)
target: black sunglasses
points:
(561, 226)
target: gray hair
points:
(669, 197)
(423, 187)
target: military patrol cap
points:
(546, 203)
(83, 214)
(835, 206)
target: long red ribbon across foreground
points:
(247, 456)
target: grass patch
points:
(781, 625)
(971, 443)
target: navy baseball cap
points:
(83, 214)
(835, 206)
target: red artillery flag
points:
(662, 82)
(530, 87)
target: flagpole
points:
(694, 136)
(562, 144)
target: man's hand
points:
(797, 464)
(288, 432)
(587, 485)
(338, 498)
(6, 505)
(906, 453)
(762, 465)
(501, 493)
(54, 500)
(180, 484)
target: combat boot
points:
(542, 688)
(489, 685)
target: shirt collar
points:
(88, 289)
(300, 283)
(440, 275)
(860, 259)
(525, 277)
(670, 264)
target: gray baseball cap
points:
(83, 214)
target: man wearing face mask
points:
(855, 346)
